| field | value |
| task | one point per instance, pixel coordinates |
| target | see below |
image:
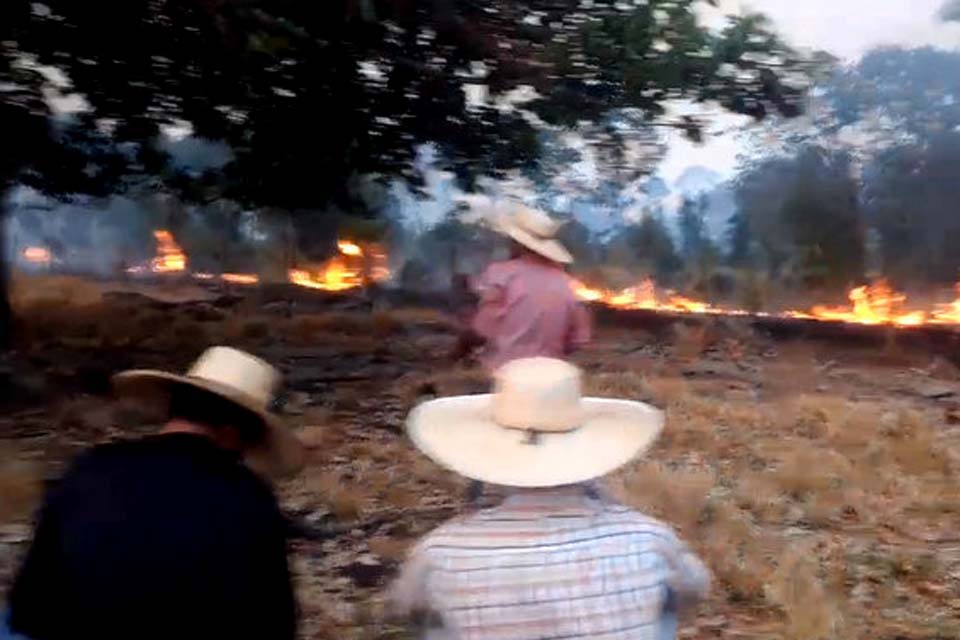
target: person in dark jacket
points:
(172, 535)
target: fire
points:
(232, 278)
(644, 296)
(355, 266)
(948, 313)
(170, 257)
(37, 255)
(348, 248)
(874, 304)
(240, 278)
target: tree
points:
(803, 216)
(309, 94)
(693, 235)
(913, 89)
(739, 239)
(648, 248)
(910, 198)
(950, 12)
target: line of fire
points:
(358, 264)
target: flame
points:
(644, 296)
(37, 255)
(948, 313)
(170, 257)
(871, 304)
(240, 278)
(355, 266)
(874, 304)
(349, 248)
(232, 278)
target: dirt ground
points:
(818, 480)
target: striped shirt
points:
(550, 565)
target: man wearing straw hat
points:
(554, 560)
(527, 307)
(171, 535)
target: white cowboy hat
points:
(535, 430)
(536, 231)
(239, 377)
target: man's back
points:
(528, 309)
(553, 564)
(165, 537)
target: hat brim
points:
(546, 247)
(280, 453)
(460, 434)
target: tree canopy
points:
(803, 216)
(307, 94)
(950, 12)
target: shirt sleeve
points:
(408, 593)
(688, 578)
(580, 331)
(491, 290)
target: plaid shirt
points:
(550, 564)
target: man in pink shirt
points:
(527, 307)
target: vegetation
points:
(308, 96)
(816, 480)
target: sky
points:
(845, 28)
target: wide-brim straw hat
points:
(535, 430)
(536, 231)
(238, 377)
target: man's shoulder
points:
(171, 455)
(501, 269)
(107, 454)
(641, 522)
(611, 518)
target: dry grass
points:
(46, 292)
(21, 486)
(797, 590)
(625, 384)
(689, 341)
(414, 316)
(346, 500)
(417, 387)
(680, 494)
(808, 471)
(312, 327)
(392, 549)
(914, 446)
(823, 513)
(773, 491)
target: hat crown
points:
(538, 394)
(536, 222)
(247, 375)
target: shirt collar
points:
(575, 498)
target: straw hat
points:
(239, 377)
(536, 231)
(535, 430)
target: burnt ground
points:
(817, 478)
